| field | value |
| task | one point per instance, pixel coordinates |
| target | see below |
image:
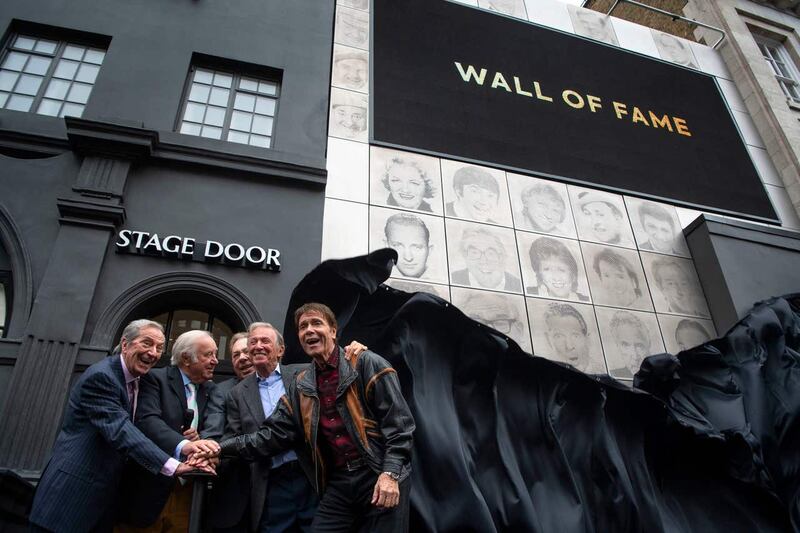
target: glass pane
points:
(245, 102)
(73, 52)
(248, 85)
(7, 80)
(87, 73)
(211, 133)
(194, 112)
(215, 116)
(49, 107)
(28, 84)
(258, 140)
(72, 110)
(203, 76)
(199, 93)
(262, 125)
(57, 89)
(45, 47)
(184, 320)
(3, 98)
(266, 87)
(15, 61)
(265, 106)
(37, 65)
(241, 121)
(66, 69)
(79, 93)
(94, 56)
(238, 137)
(19, 103)
(221, 333)
(219, 97)
(222, 80)
(190, 129)
(24, 42)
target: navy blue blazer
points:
(79, 484)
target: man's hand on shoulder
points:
(387, 492)
(354, 349)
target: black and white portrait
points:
(592, 24)
(442, 291)
(348, 115)
(601, 217)
(681, 333)
(657, 227)
(475, 193)
(352, 28)
(405, 180)
(515, 8)
(482, 256)
(418, 240)
(616, 277)
(552, 267)
(503, 312)
(350, 68)
(674, 285)
(540, 205)
(344, 229)
(566, 332)
(628, 337)
(674, 49)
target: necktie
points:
(133, 390)
(191, 402)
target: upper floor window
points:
(230, 106)
(783, 67)
(48, 77)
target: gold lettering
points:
(638, 116)
(619, 109)
(568, 95)
(681, 127)
(662, 122)
(500, 81)
(519, 88)
(471, 73)
(594, 103)
(539, 95)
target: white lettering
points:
(153, 242)
(217, 253)
(262, 255)
(169, 248)
(234, 246)
(471, 73)
(140, 235)
(124, 238)
(272, 259)
(188, 247)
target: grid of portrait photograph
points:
(588, 278)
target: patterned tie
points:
(191, 402)
(133, 393)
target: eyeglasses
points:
(503, 325)
(474, 254)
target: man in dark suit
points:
(78, 489)
(178, 403)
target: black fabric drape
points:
(708, 440)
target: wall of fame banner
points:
(451, 80)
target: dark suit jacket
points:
(245, 414)
(162, 403)
(512, 283)
(81, 480)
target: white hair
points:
(278, 335)
(187, 343)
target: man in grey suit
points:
(281, 498)
(78, 488)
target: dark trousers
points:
(290, 503)
(346, 505)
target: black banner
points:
(452, 80)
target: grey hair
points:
(278, 335)
(133, 329)
(185, 343)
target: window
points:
(180, 321)
(223, 105)
(5, 301)
(782, 66)
(48, 77)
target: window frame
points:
(784, 58)
(8, 289)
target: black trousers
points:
(346, 505)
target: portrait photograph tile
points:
(363, 5)
(352, 28)
(475, 193)
(566, 332)
(616, 277)
(674, 285)
(503, 312)
(417, 238)
(514, 8)
(344, 229)
(348, 170)
(656, 227)
(348, 115)
(404, 180)
(682, 332)
(628, 337)
(541, 206)
(482, 256)
(601, 217)
(592, 24)
(674, 49)
(552, 267)
(350, 68)
(442, 291)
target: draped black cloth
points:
(708, 440)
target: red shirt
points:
(339, 447)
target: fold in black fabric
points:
(708, 440)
